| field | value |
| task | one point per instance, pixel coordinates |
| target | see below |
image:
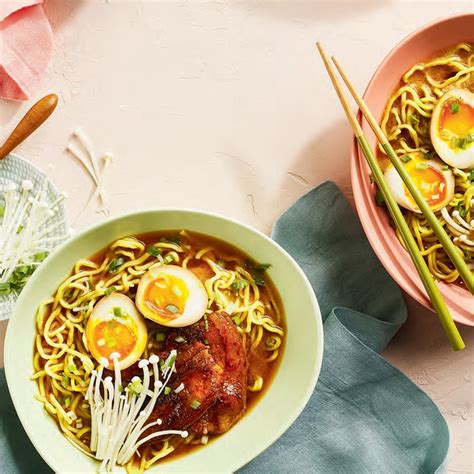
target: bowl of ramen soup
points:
(423, 96)
(163, 341)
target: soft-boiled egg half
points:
(171, 296)
(115, 325)
(434, 180)
(452, 128)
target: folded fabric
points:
(364, 416)
(26, 46)
(7, 7)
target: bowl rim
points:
(416, 291)
(293, 414)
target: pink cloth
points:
(26, 46)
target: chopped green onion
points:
(110, 290)
(20, 229)
(445, 168)
(180, 339)
(118, 312)
(167, 390)
(454, 107)
(2, 211)
(65, 381)
(172, 308)
(166, 364)
(239, 285)
(406, 158)
(206, 342)
(5, 288)
(160, 336)
(120, 388)
(461, 209)
(237, 320)
(153, 251)
(168, 259)
(40, 256)
(195, 404)
(67, 401)
(135, 387)
(421, 166)
(116, 264)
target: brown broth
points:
(223, 251)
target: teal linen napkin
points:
(364, 416)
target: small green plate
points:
(288, 394)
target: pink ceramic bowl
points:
(417, 47)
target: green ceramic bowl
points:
(273, 414)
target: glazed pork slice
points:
(227, 348)
(199, 380)
(211, 377)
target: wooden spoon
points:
(35, 117)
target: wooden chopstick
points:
(451, 250)
(432, 290)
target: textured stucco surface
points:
(225, 106)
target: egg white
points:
(195, 305)
(104, 311)
(461, 159)
(395, 183)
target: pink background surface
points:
(226, 107)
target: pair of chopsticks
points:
(434, 294)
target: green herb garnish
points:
(195, 404)
(172, 308)
(168, 259)
(174, 239)
(237, 320)
(406, 158)
(110, 290)
(118, 312)
(153, 251)
(257, 270)
(180, 339)
(454, 107)
(115, 264)
(445, 168)
(461, 209)
(379, 199)
(2, 211)
(206, 342)
(239, 284)
(67, 402)
(167, 390)
(160, 336)
(421, 166)
(20, 229)
(65, 381)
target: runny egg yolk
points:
(457, 118)
(113, 336)
(166, 295)
(430, 182)
(171, 295)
